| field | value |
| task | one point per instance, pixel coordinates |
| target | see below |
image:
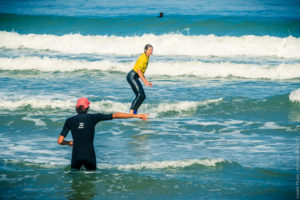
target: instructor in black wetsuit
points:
(82, 127)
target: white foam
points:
(29, 149)
(263, 148)
(19, 148)
(183, 106)
(204, 123)
(110, 106)
(45, 162)
(233, 122)
(36, 103)
(26, 153)
(54, 64)
(164, 164)
(295, 95)
(53, 162)
(37, 122)
(195, 68)
(105, 106)
(225, 69)
(49, 161)
(223, 123)
(167, 44)
(271, 125)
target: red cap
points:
(83, 102)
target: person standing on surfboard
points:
(82, 127)
(133, 76)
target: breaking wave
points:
(180, 68)
(166, 44)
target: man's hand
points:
(143, 116)
(61, 140)
(70, 143)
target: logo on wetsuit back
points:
(81, 125)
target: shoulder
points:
(69, 120)
(143, 58)
(73, 117)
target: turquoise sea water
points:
(224, 106)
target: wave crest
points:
(167, 44)
(105, 106)
(295, 96)
(194, 68)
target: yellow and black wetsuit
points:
(133, 80)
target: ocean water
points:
(224, 108)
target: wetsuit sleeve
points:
(65, 129)
(102, 117)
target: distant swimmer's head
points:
(83, 105)
(148, 49)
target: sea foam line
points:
(167, 44)
(36, 103)
(164, 164)
(53, 162)
(183, 106)
(105, 106)
(55, 64)
(167, 68)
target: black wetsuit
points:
(133, 80)
(82, 127)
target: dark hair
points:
(147, 47)
(80, 109)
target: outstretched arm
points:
(61, 140)
(119, 115)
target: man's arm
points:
(63, 134)
(61, 140)
(126, 115)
